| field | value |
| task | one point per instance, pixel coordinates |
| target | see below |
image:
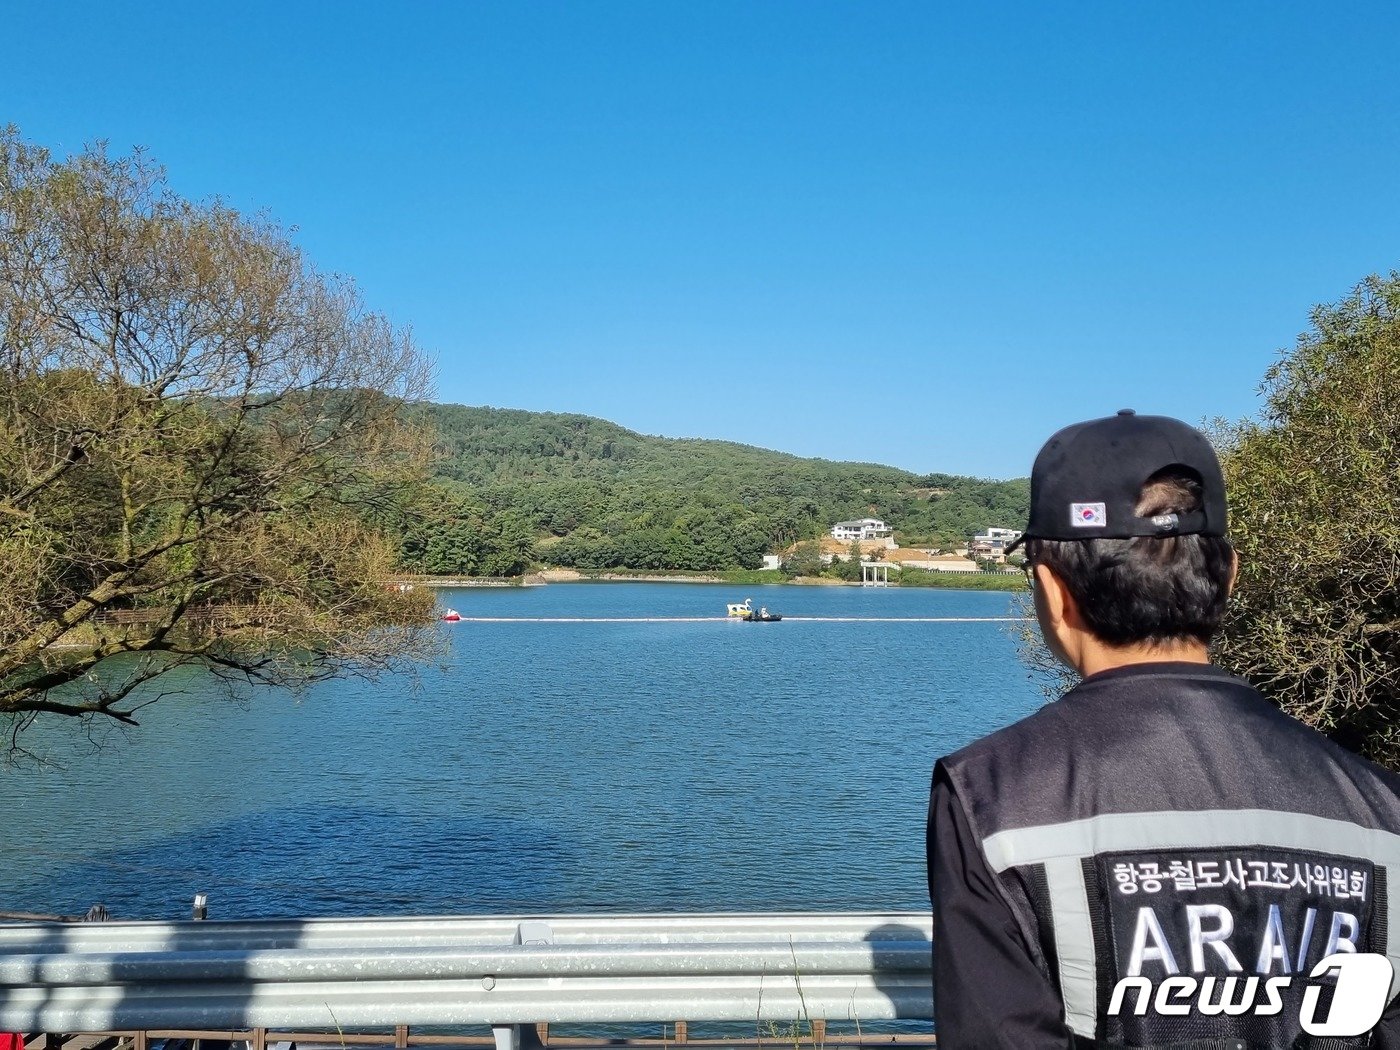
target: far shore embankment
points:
(981, 581)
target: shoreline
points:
(999, 582)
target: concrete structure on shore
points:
(913, 558)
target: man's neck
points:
(1096, 657)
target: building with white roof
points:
(991, 545)
(864, 529)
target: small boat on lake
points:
(452, 616)
(762, 616)
(740, 609)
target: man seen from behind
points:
(1161, 822)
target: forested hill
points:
(586, 492)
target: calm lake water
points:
(546, 767)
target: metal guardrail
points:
(498, 971)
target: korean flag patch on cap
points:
(1087, 515)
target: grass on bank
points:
(962, 581)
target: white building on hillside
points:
(864, 529)
(991, 545)
(1004, 535)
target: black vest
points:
(1165, 820)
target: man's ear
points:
(1060, 620)
(1234, 571)
(1060, 607)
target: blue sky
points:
(914, 233)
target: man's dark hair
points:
(1148, 589)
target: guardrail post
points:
(526, 933)
(819, 1031)
(401, 1037)
(682, 1031)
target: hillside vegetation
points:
(514, 487)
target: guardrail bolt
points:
(488, 982)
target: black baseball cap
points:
(1087, 478)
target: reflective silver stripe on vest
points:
(1069, 909)
(1062, 848)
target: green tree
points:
(198, 433)
(805, 559)
(847, 568)
(1314, 488)
(512, 545)
(444, 533)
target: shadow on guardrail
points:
(501, 971)
(911, 999)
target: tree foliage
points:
(599, 496)
(197, 434)
(1314, 488)
(804, 559)
(448, 533)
